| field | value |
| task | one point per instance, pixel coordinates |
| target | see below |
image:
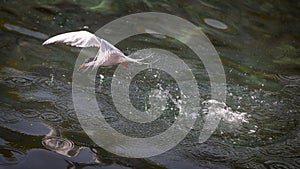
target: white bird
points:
(107, 54)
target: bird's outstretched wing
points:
(107, 54)
(78, 39)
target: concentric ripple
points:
(58, 143)
(51, 116)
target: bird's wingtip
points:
(46, 42)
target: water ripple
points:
(44, 82)
(58, 144)
(52, 116)
(63, 104)
(19, 81)
(276, 164)
(72, 115)
(9, 116)
(217, 153)
(30, 113)
(292, 84)
(285, 78)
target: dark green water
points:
(258, 42)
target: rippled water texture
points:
(258, 42)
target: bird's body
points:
(107, 54)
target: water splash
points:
(216, 108)
(59, 144)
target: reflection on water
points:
(25, 31)
(215, 23)
(11, 155)
(258, 43)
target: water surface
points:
(258, 43)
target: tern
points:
(107, 54)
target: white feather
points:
(78, 39)
(107, 54)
